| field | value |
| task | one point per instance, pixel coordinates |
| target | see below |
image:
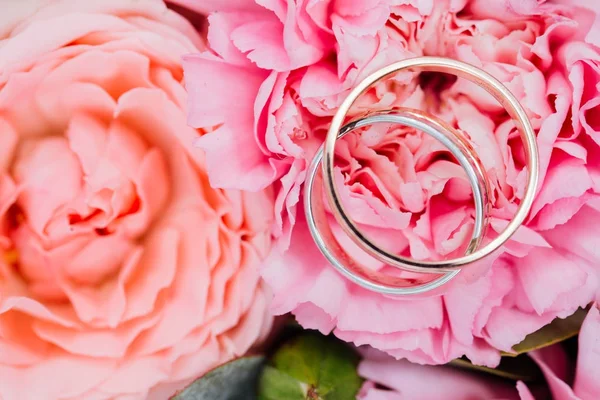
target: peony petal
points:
(507, 326)
(287, 201)
(302, 263)
(559, 212)
(364, 309)
(444, 225)
(219, 36)
(371, 393)
(546, 268)
(568, 178)
(503, 281)
(320, 82)
(480, 129)
(360, 19)
(463, 304)
(368, 209)
(523, 234)
(573, 149)
(261, 40)
(311, 316)
(551, 360)
(586, 384)
(328, 294)
(559, 89)
(414, 381)
(200, 74)
(578, 235)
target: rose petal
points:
(524, 393)
(40, 381)
(209, 6)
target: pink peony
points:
(389, 379)
(123, 274)
(289, 64)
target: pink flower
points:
(389, 379)
(290, 64)
(401, 379)
(558, 372)
(123, 274)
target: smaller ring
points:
(330, 248)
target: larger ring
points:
(492, 86)
(322, 234)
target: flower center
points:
(433, 85)
(299, 133)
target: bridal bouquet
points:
(153, 240)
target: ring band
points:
(492, 86)
(328, 245)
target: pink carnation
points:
(123, 274)
(289, 65)
(389, 379)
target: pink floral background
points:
(565, 379)
(289, 64)
(131, 260)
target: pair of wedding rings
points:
(436, 273)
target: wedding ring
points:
(322, 233)
(462, 70)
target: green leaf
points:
(555, 332)
(236, 380)
(323, 367)
(521, 368)
(277, 385)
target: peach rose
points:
(123, 274)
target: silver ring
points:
(337, 256)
